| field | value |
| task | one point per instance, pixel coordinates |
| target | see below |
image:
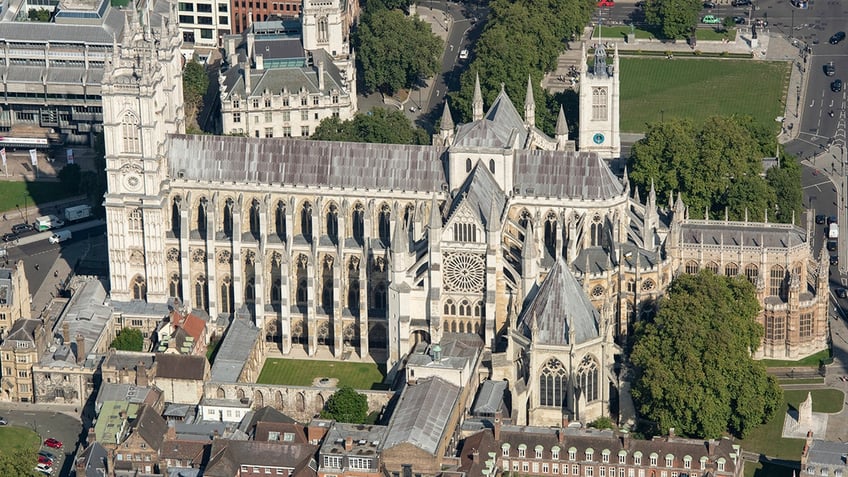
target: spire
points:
(652, 194)
(529, 104)
(528, 251)
(494, 218)
(477, 101)
(636, 197)
(400, 246)
(447, 121)
(561, 125)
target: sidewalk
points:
(30, 212)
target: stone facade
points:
(21, 348)
(15, 298)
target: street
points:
(47, 423)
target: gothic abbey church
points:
(358, 251)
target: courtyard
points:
(304, 372)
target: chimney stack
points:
(564, 420)
(348, 444)
(141, 374)
(315, 433)
(671, 433)
(66, 333)
(321, 75)
(497, 426)
(561, 436)
(92, 437)
(80, 349)
(625, 440)
(475, 455)
(171, 434)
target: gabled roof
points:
(93, 460)
(192, 451)
(483, 195)
(228, 455)
(150, 426)
(501, 127)
(180, 366)
(307, 163)
(269, 414)
(422, 414)
(23, 330)
(234, 351)
(575, 175)
(191, 323)
(559, 307)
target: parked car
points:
(3, 421)
(51, 442)
(842, 292)
(463, 55)
(829, 69)
(21, 228)
(45, 460)
(711, 20)
(46, 455)
(831, 219)
(709, 5)
(760, 23)
(44, 469)
(606, 3)
(836, 86)
(832, 246)
(741, 3)
(9, 237)
(834, 259)
(802, 4)
(820, 218)
(740, 20)
(837, 37)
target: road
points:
(46, 424)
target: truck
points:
(833, 231)
(47, 222)
(60, 236)
(77, 212)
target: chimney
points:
(625, 440)
(215, 434)
(497, 426)
(66, 333)
(92, 437)
(671, 433)
(141, 374)
(80, 349)
(564, 420)
(712, 445)
(321, 75)
(475, 456)
(315, 433)
(348, 444)
(108, 463)
(171, 434)
(561, 436)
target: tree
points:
(395, 51)
(693, 364)
(346, 405)
(70, 177)
(716, 166)
(17, 462)
(377, 126)
(128, 339)
(785, 181)
(195, 84)
(673, 18)
(40, 15)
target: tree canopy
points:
(717, 166)
(346, 405)
(379, 126)
(673, 18)
(39, 15)
(694, 370)
(395, 51)
(17, 462)
(521, 38)
(195, 83)
(128, 339)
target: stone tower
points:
(142, 94)
(599, 104)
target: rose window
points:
(464, 272)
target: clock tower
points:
(599, 104)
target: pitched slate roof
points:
(483, 194)
(305, 162)
(501, 127)
(228, 455)
(180, 366)
(559, 307)
(422, 413)
(575, 175)
(93, 460)
(23, 330)
(150, 426)
(748, 234)
(234, 351)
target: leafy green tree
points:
(673, 18)
(69, 177)
(346, 405)
(17, 462)
(693, 364)
(128, 339)
(378, 126)
(395, 51)
(602, 422)
(785, 181)
(40, 15)
(195, 84)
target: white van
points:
(60, 236)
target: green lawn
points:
(621, 32)
(801, 381)
(766, 439)
(301, 372)
(19, 193)
(653, 89)
(811, 361)
(13, 438)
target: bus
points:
(23, 142)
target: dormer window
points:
(669, 460)
(572, 453)
(522, 450)
(654, 458)
(590, 454)
(720, 462)
(539, 450)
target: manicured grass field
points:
(621, 32)
(301, 372)
(801, 381)
(812, 361)
(766, 438)
(13, 438)
(653, 89)
(12, 194)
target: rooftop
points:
(86, 315)
(422, 414)
(234, 351)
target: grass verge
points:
(14, 438)
(812, 361)
(301, 372)
(14, 194)
(800, 381)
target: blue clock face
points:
(598, 138)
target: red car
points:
(45, 460)
(606, 3)
(53, 443)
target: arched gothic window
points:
(301, 293)
(175, 215)
(713, 267)
(280, 220)
(175, 287)
(551, 234)
(306, 221)
(333, 223)
(380, 297)
(464, 232)
(250, 291)
(323, 35)
(358, 223)
(553, 383)
(254, 219)
(135, 221)
(599, 104)
(597, 229)
(228, 217)
(777, 277)
(385, 224)
(130, 131)
(752, 273)
(353, 286)
(731, 269)
(692, 267)
(227, 295)
(277, 291)
(201, 293)
(450, 307)
(139, 288)
(492, 166)
(587, 375)
(201, 217)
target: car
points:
(45, 460)
(834, 260)
(829, 69)
(711, 20)
(741, 3)
(802, 4)
(3, 421)
(463, 55)
(9, 237)
(837, 37)
(740, 20)
(832, 246)
(709, 5)
(759, 22)
(606, 3)
(836, 86)
(44, 469)
(20, 228)
(46, 455)
(831, 219)
(51, 442)
(820, 218)
(842, 292)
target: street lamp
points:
(662, 115)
